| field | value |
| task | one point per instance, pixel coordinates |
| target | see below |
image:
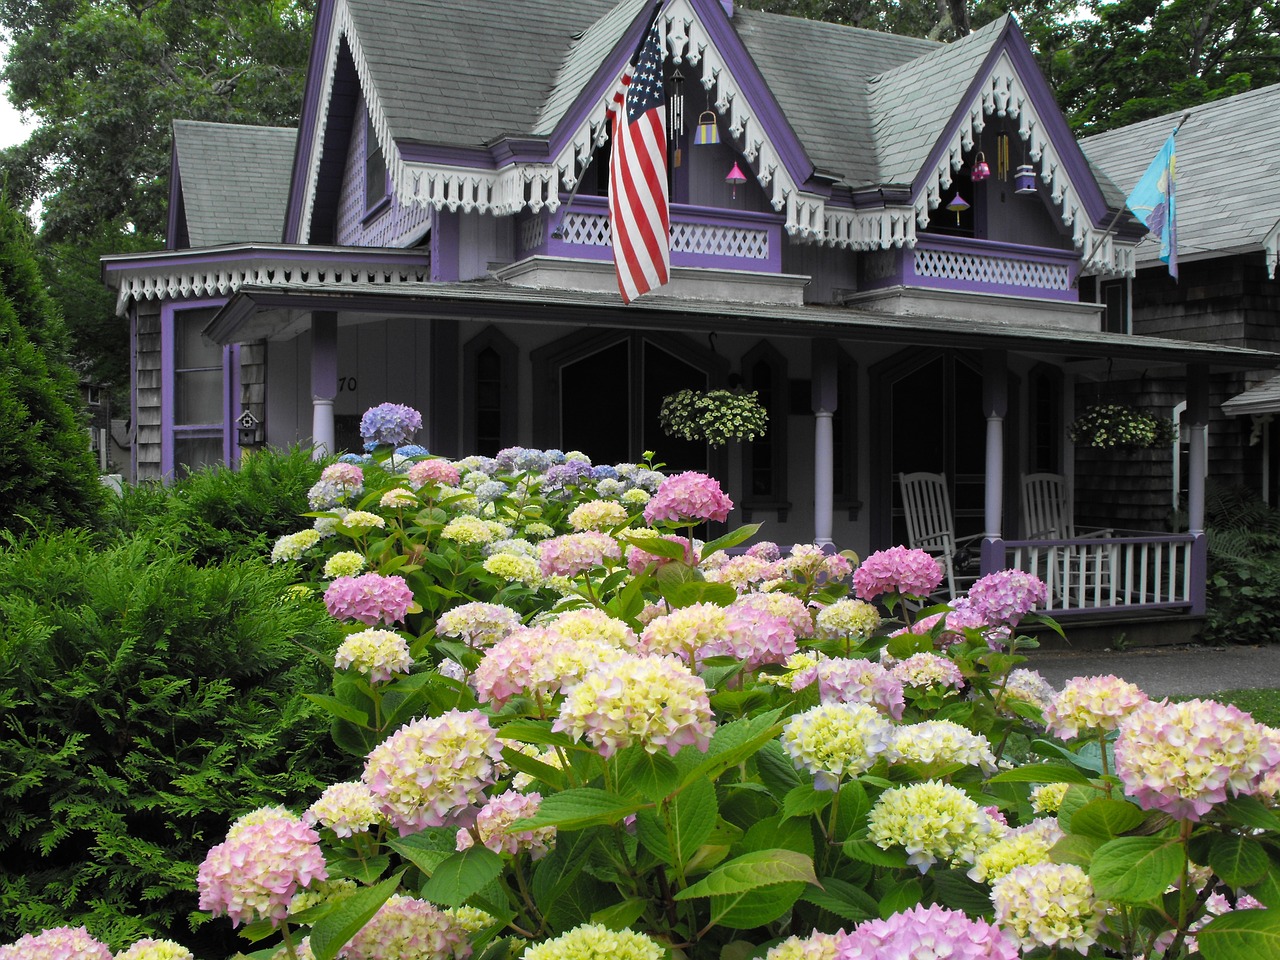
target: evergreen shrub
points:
(218, 513)
(147, 702)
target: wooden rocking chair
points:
(931, 526)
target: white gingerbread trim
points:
(1271, 250)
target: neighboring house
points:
(412, 242)
(1228, 292)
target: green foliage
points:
(49, 477)
(1243, 598)
(218, 513)
(147, 702)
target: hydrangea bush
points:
(577, 731)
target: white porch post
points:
(995, 402)
(824, 398)
(324, 382)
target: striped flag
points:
(638, 210)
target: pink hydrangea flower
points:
(925, 933)
(494, 821)
(1182, 758)
(688, 497)
(56, 943)
(855, 681)
(434, 471)
(899, 570)
(405, 928)
(574, 553)
(433, 771)
(1005, 597)
(536, 662)
(754, 636)
(1094, 704)
(765, 550)
(370, 598)
(256, 871)
(924, 670)
(344, 474)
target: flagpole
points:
(558, 232)
(1119, 213)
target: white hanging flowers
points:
(713, 416)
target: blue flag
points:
(1153, 202)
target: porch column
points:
(995, 402)
(324, 382)
(1197, 419)
(823, 398)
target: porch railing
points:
(1099, 575)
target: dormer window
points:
(375, 167)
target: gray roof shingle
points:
(1228, 171)
(227, 198)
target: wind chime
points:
(1002, 156)
(675, 116)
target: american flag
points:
(638, 176)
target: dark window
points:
(1115, 313)
(1044, 387)
(375, 167)
(489, 362)
(844, 437)
(764, 461)
(595, 404)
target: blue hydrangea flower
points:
(604, 472)
(392, 423)
(412, 450)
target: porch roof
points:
(280, 310)
(1263, 398)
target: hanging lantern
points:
(736, 176)
(980, 169)
(958, 204)
(1024, 180)
(708, 131)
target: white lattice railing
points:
(1099, 573)
(994, 270)
(705, 239)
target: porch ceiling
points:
(280, 311)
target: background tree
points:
(1135, 59)
(104, 79)
(48, 478)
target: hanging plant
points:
(713, 416)
(1110, 425)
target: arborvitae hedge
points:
(48, 478)
(146, 701)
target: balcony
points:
(709, 237)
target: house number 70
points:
(346, 383)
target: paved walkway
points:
(1168, 671)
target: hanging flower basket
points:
(713, 416)
(1106, 426)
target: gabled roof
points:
(1228, 172)
(233, 180)
(818, 72)
(460, 73)
(913, 103)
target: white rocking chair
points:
(1073, 571)
(930, 525)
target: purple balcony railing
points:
(980, 266)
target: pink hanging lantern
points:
(980, 170)
(735, 177)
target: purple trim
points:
(770, 223)
(230, 382)
(444, 245)
(133, 387)
(412, 152)
(1199, 573)
(175, 192)
(301, 253)
(904, 270)
(1056, 130)
(307, 121)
